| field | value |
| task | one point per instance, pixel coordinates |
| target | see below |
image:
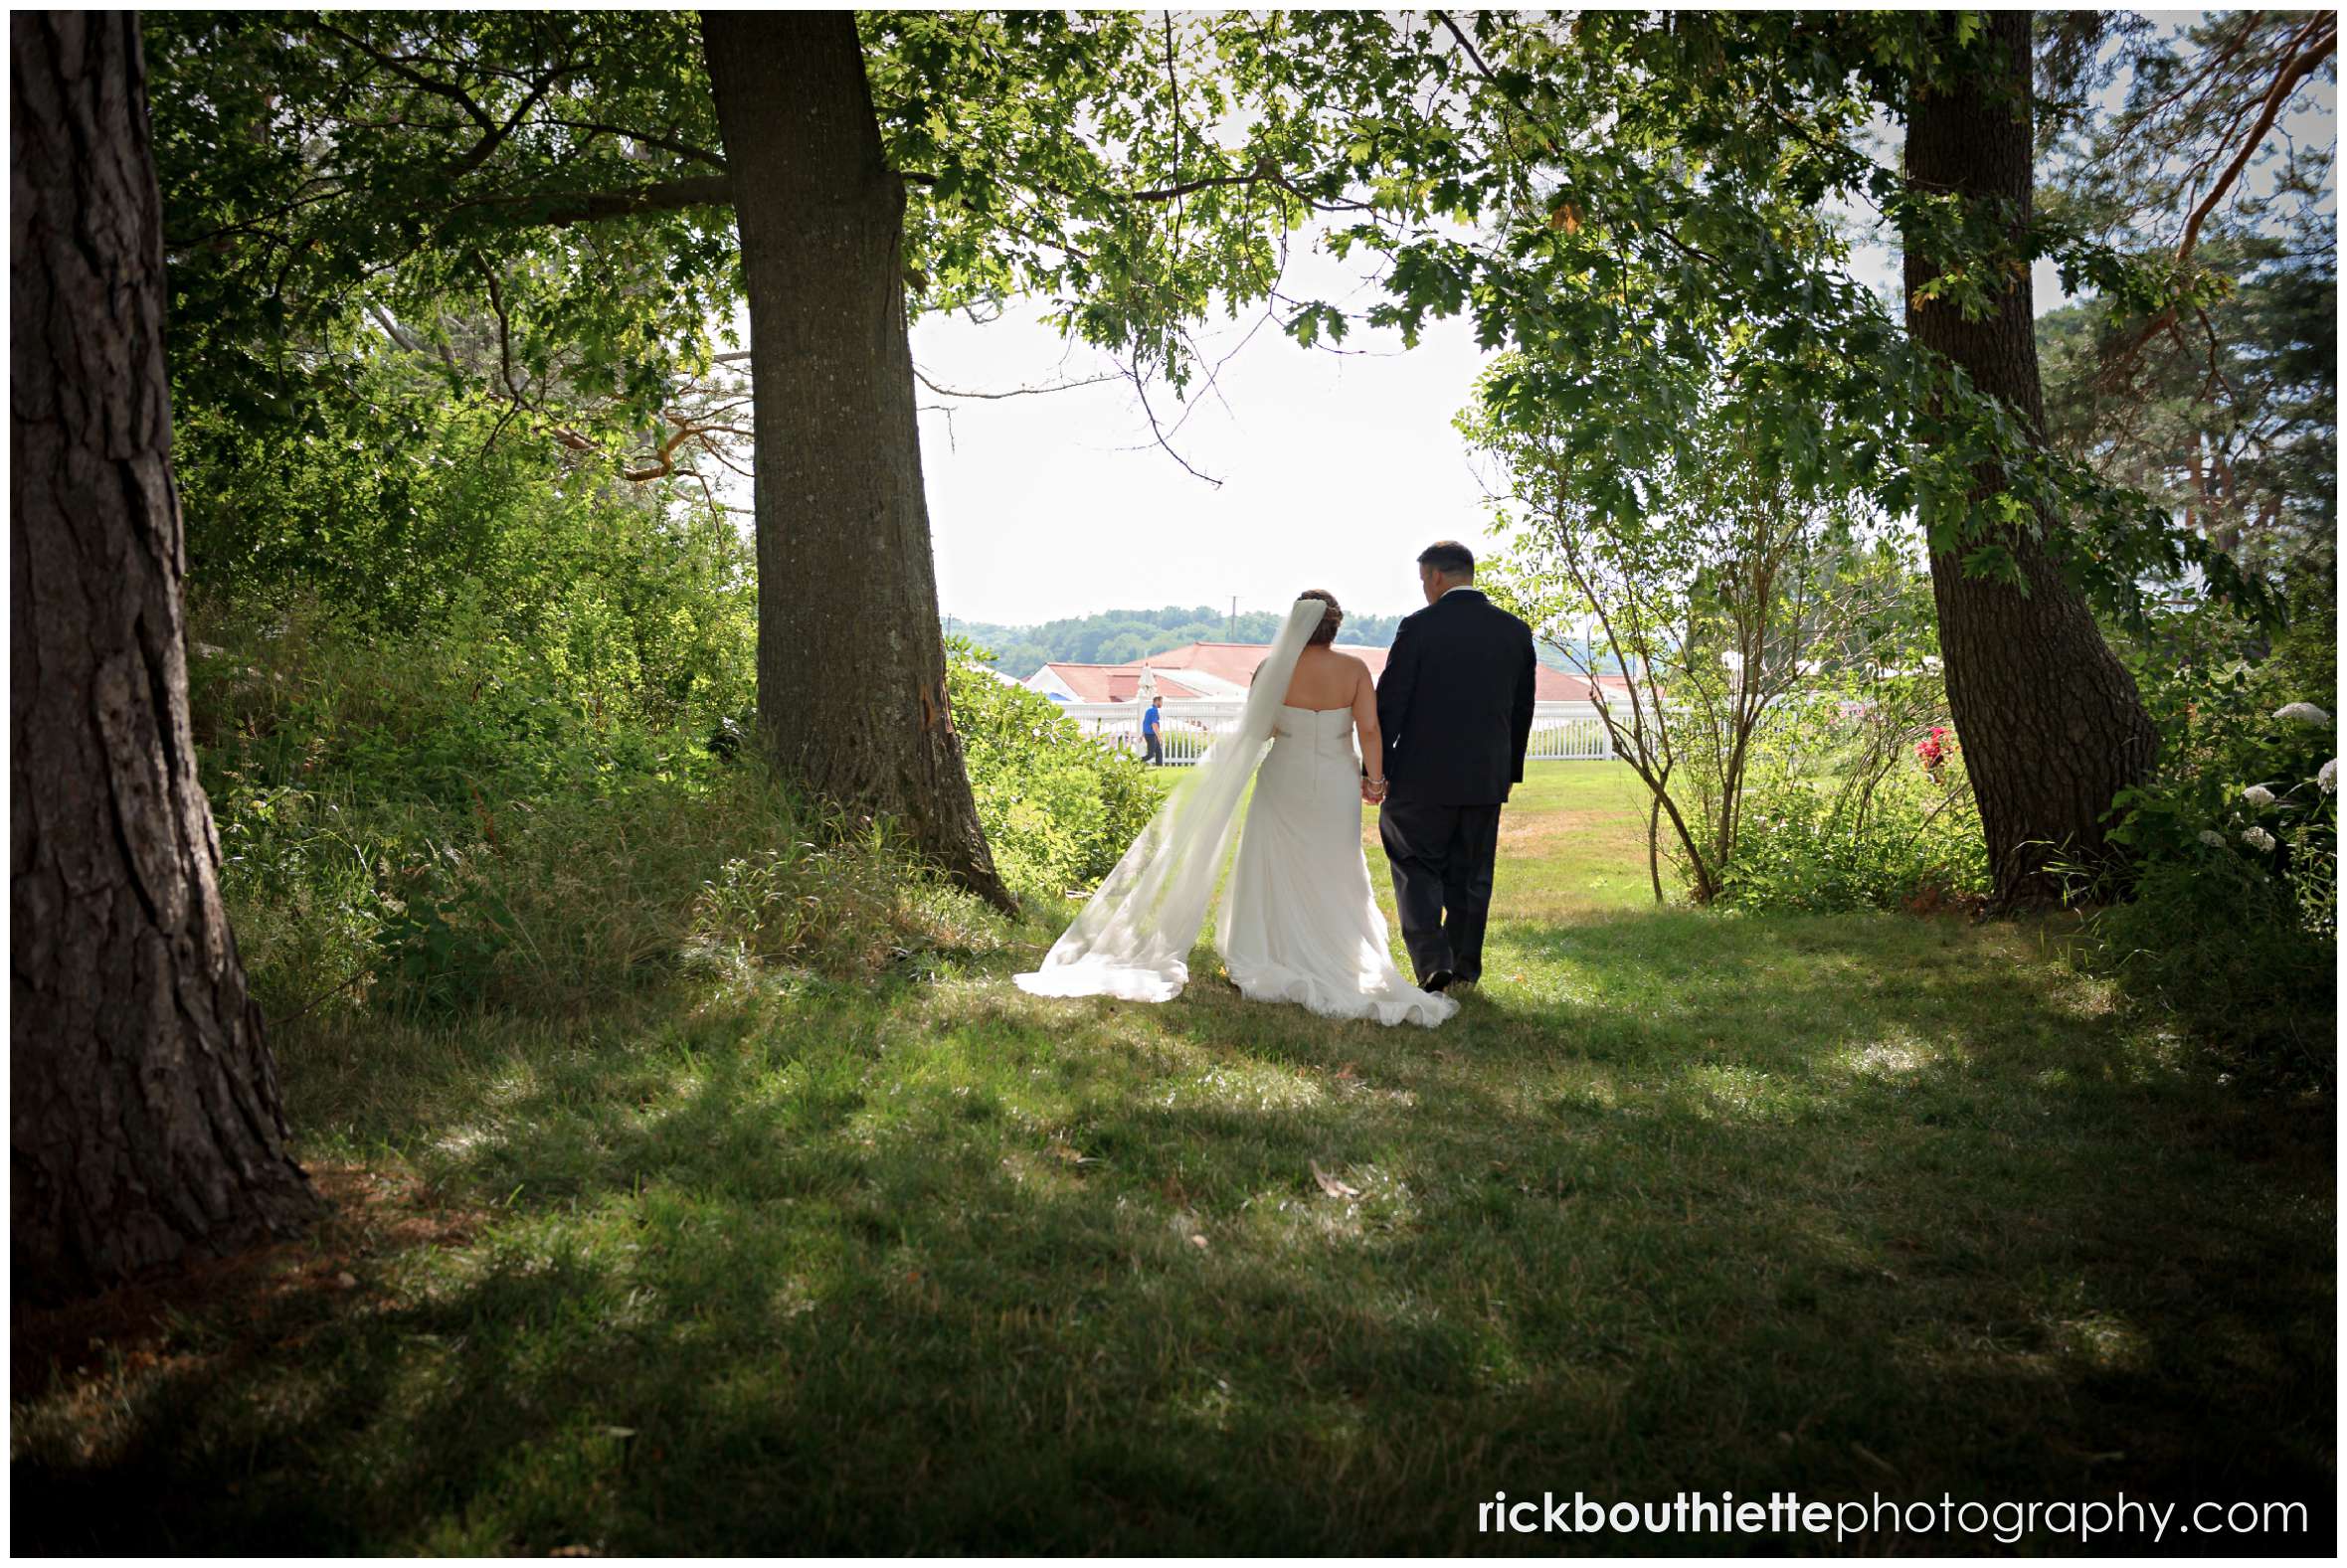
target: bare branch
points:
(1157, 432)
(1444, 17)
(683, 149)
(2294, 71)
(410, 75)
(1014, 392)
(489, 144)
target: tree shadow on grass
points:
(1707, 1204)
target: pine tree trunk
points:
(851, 693)
(145, 1127)
(2051, 723)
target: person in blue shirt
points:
(1153, 748)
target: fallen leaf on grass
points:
(1331, 1185)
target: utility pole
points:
(1230, 631)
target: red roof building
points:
(1111, 683)
(1234, 663)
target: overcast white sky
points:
(1336, 469)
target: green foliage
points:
(2237, 426)
(415, 512)
(315, 165)
(2232, 913)
(832, 900)
(2216, 687)
(1086, 158)
(2213, 937)
(1667, 181)
(1059, 807)
(562, 171)
(1641, 204)
(1912, 841)
(1725, 597)
(1857, 796)
(2226, 411)
(470, 818)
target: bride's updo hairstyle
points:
(1326, 633)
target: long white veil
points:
(1133, 939)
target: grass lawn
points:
(1681, 1201)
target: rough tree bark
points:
(145, 1122)
(851, 692)
(2052, 726)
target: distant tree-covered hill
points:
(1118, 636)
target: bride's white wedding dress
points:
(1298, 922)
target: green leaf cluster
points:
(1059, 807)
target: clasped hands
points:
(1372, 790)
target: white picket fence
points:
(1561, 731)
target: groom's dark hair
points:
(1450, 558)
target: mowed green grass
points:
(1679, 1202)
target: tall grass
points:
(452, 827)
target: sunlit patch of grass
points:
(1900, 1053)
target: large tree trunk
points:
(2052, 725)
(851, 694)
(144, 1120)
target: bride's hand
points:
(1372, 790)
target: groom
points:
(1456, 707)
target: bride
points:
(1298, 922)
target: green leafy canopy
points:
(1642, 206)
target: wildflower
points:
(2328, 778)
(2257, 794)
(2211, 837)
(2302, 713)
(2259, 839)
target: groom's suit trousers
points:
(1442, 859)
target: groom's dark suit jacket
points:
(1456, 702)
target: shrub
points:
(2214, 936)
(470, 713)
(1917, 845)
(1059, 807)
(411, 512)
(462, 825)
(1867, 808)
(2231, 915)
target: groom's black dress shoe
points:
(1438, 981)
